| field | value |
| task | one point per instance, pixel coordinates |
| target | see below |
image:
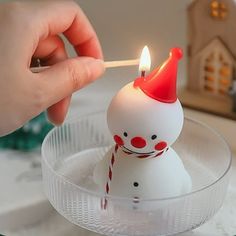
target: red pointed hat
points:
(160, 84)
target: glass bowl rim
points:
(74, 119)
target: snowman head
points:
(145, 117)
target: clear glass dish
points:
(70, 153)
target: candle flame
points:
(145, 60)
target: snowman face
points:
(142, 125)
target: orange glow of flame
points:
(145, 60)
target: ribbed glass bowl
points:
(70, 153)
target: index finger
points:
(66, 17)
(83, 37)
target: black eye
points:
(125, 134)
(154, 137)
(135, 184)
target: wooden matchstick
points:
(108, 64)
(112, 64)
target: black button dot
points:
(136, 184)
(125, 134)
(154, 137)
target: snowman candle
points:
(145, 119)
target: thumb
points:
(64, 78)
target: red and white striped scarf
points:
(112, 162)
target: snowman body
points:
(145, 118)
(163, 176)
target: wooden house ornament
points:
(211, 56)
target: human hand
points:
(31, 30)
